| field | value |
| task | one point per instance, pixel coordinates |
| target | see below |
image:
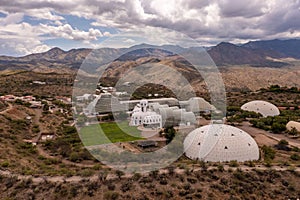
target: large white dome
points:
(263, 107)
(220, 143)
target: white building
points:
(197, 105)
(174, 114)
(84, 97)
(143, 116)
(263, 107)
(220, 143)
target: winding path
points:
(10, 107)
(110, 176)
(246, 126)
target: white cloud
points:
(12, 18)
(66, 31)
(43, 14)
(208, 21)
(20, 39)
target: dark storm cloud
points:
(245, 8)
(21, 6)
(284, 18)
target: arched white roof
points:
(166, 112)
(220, 143)
(292, 124)
(263, 107)
(178, 114)
(189, 117)
(196, 104)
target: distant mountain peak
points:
(226, 43)
(56, 50)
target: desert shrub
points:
(154, 174)
(233, 163)
(192, 180)
(5, 164)
(293, 131)
(169, 194)
(171, 170)
(126, 186)
(283, 145)
(74, 191)
(35, 129)
(74, 157)
(220, 167)
(268, 163)
(102, 175)
(86, 172)
(269, 153)
(110, 185)
(29, 147)
(187, 186)
(111, 195)
(296, 149)
(10, 181)
(250, 164)
(163, 181)
(93, 186)
(183, 193)
(119, 173)
(295, 157)
(145, 180)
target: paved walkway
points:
(246, 126)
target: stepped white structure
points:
(263, 107)
(142, 116)
(157, 115)
(220, 143)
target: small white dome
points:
(220, 143)
(263, 107)
(293, 124)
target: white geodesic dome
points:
(221, 143)
(263, 107)
(292, 124)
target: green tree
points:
(277, 127)
(170, 133)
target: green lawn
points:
(110, 132)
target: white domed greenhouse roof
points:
(220, 143)
(263, 107)
(292, 124)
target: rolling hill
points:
(256, 53)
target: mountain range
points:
(255, 53)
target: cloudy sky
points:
(31, 26)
